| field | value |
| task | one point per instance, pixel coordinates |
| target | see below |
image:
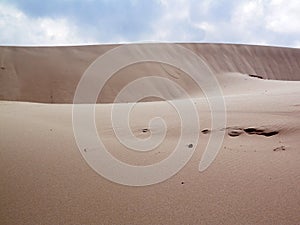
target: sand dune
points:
(254, 179)
(51, 74)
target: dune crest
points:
(51, 74)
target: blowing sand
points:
(254, 179)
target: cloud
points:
(175, 24)
(32, 22)
(283, 17)
(264, 22)
(19, 29)
(103, 20)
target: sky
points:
(79, 22)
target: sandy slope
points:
(255, 178)
(51, 74)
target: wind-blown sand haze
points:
(254, 179)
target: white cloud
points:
(273, 22)
(19, 29)
(283, 16)
(175, 23)
(248, 14)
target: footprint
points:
(281, 148)
(252, 130)
(205, 131)
(237, 131)
(190, 145)
(234, 131)
(145, 130)
(261, 131)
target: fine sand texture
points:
(255, 178)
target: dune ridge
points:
(51, 74)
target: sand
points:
(254, 179)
